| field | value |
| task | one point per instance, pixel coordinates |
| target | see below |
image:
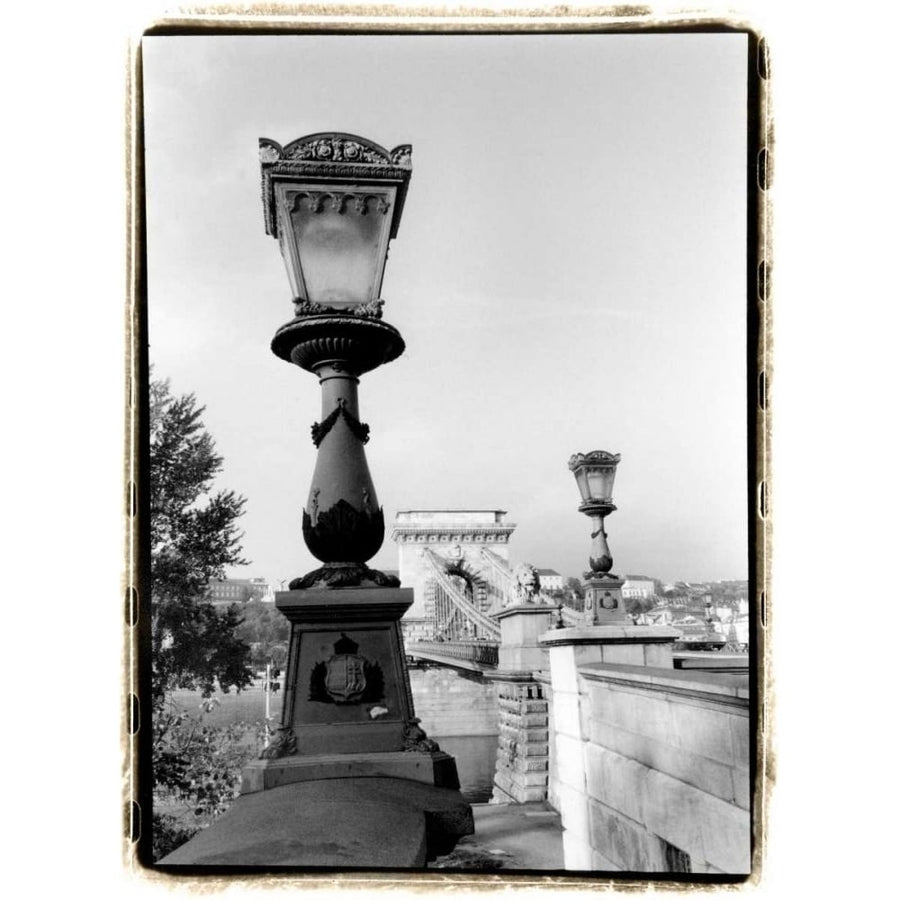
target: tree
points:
(266, 631)
(635, 606)
(193, 536)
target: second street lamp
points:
(595, 474)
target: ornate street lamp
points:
(595, 474)
(334, 201)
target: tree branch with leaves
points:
(193, 536)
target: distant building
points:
(658, 616)
(636, 587)
(239, 590)
(551, 580)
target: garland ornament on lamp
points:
(595, 474)
(333, 201)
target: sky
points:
(569, 275)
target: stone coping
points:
(340, 604)
(526, 609)
(511, 675)
(696, 660)
(718, 685)
(609, 634)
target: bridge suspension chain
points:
(490, 629)
(500, 576)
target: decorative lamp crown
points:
(595, 474)
(334, 201)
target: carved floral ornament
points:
(595, 457)
(335, 157)
(337, 147)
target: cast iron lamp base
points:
(346, 574)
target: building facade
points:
(226, 591)
(636, 587)
(551, 580)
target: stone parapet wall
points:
(678, 728)
(650, 767)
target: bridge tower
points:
(445, 549)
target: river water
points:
(475, 754)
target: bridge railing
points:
(485, 653)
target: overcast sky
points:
(569, 275)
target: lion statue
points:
(528, 583)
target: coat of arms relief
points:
(346, 677)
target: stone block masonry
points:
(649, 766)
(666, 768)
(523, 754)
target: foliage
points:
(169, 833)
(636, 605)
(573, 585)
(266, 630)
(196, 769)
(193, 536)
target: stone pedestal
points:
(351, 779)
(520, 627)
(523, 747)
(631, 645)
(348, 708)
(603, 603)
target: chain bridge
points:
(457, 563)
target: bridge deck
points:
(451, 662)
(473, 656)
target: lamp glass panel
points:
(582, 482)
(600, 482)
(341, 247)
